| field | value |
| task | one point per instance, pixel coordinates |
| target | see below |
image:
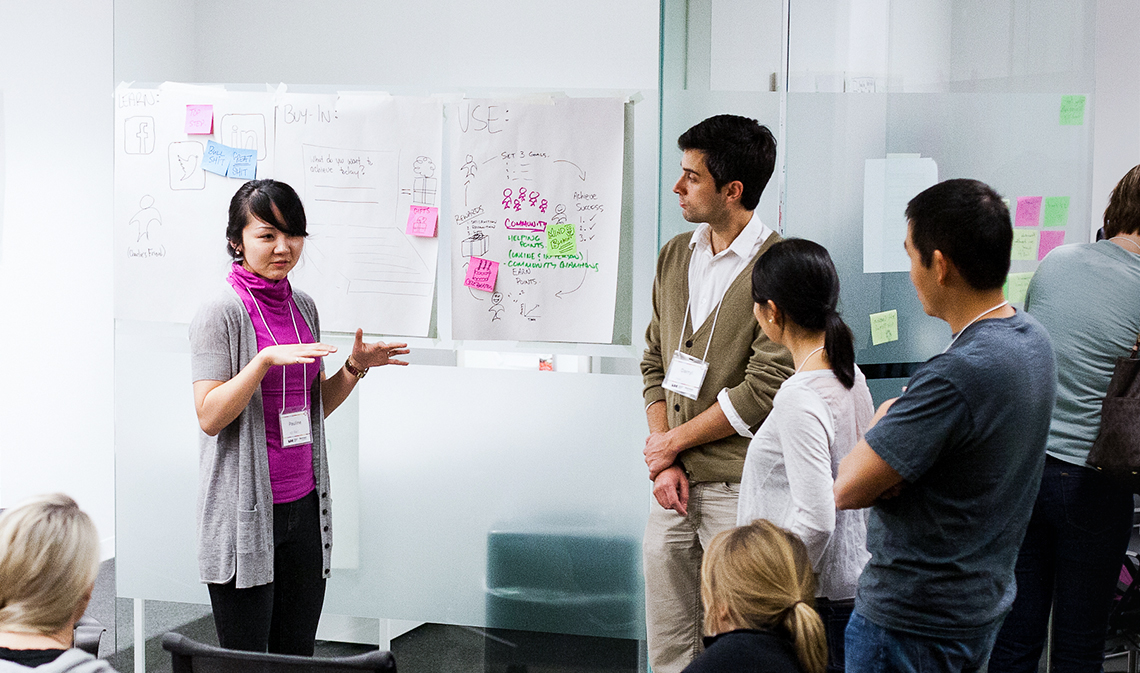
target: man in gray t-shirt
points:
(952, 466)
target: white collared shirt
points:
(709, 278)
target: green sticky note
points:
(884, 327)
(561, 240)
(1024, 244)
(1056, 211)
(1016, 285)
(1072, 110)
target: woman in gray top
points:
(261, 395)
(817, 416)
(1087, 297)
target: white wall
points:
(56, 431)
(1116, 136)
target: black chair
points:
(189, 656)
(88, 634)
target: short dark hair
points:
(735, 148)
(968, 222)
(258, 198)
(798, 276)
(1123, 213)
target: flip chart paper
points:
(481, 274)
(1024, 244)
(360, 161)
(521, 167)
(217, 158)
(199, 119)
(884, 327)
(1072, 110)
(1056, 211)
(170, 213)
(561, 240)
(1028, 211)
(1016, 286)
(888, 184)
(422, 221)
(1050, 240)
(243, 164)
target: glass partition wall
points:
(487, 513)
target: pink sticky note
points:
(199, 120)
(1028, 211)
(1049, 240)
(481, 274)
(422, 220)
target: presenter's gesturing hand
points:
(376, 354)
(336, 388)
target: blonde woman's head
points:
(759, 577)
(49, 556)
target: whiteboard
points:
(170, 214)
(536, 187)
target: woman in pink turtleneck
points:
(261, 396)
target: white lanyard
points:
(976, 319)
(304, 367)
(806, 360)
(685, 321)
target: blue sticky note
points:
(243, 164)
(217, 158)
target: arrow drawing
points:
(581, 173)
(562, 292)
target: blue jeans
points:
(1070, 561)
(835, 615)
(874, 649)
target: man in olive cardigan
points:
(702, 307)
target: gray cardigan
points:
(235, 501)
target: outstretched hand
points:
(376, 354)
(295, 354)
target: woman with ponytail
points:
(757, 587)
(817, 417)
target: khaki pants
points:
(672, 550)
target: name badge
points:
(686, 375)
(295, 427)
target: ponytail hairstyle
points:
(797, 275)
(759, 576)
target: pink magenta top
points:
(290, 467)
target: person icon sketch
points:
(496, 306)
(146, 216)
(559, 215)
(470, 168)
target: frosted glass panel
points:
(1013, 142)
(455, 460)
(469, 496)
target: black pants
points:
(835, 615)
(279, 617)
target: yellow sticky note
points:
(1016, 286)
(1025, 244)
(884, 327)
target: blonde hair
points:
(759, 577)
(49, 557)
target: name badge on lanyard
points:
(296, 428)
(686, 373)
